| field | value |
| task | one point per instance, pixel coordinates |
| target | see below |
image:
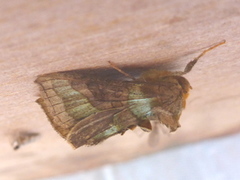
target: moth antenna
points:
(114, 66)
(190, 65)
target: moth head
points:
(183, 82)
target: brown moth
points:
(88, 106)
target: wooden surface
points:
(47, 36)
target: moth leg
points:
(190, 65)
(145, 125)
(132, 127)
(114, 66)
(123, 131)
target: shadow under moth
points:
(90, 105)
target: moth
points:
(88, 106)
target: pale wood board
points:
(40, 37)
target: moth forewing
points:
(88, 106)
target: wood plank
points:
(48, 36)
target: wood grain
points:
(47, 36)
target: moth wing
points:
(83, 105)
(82, 110)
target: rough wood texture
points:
(47, 36)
